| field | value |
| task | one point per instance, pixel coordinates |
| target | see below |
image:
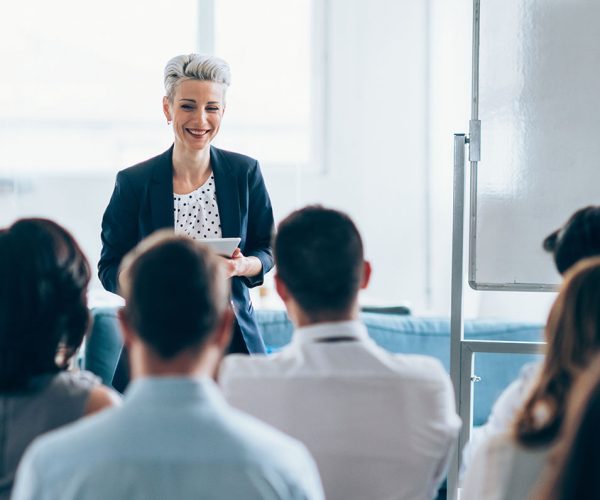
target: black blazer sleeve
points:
(260, 225)
(119, 231)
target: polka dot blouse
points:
(197, 213)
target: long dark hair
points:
(573, 339)
(43, 307)
(572, 468)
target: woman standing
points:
(197, 189)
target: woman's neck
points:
(190, 168)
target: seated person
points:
(43, 319)
(507, 466)
(572, 471)
(380, 425)
(174, 437)
(577, 239)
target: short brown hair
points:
(175, 291)
(319, 257)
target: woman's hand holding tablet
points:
(222, 246)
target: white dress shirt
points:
(380, 425)
(173, 438)
(501, 469)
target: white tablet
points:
(222, 246)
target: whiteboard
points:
(539, 106)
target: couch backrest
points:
(431, 336)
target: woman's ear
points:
(167, 109)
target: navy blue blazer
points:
(142, 202)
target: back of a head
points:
(43, 307)
(577, 239)
(319, 257)
(573, 339)
(175, 292)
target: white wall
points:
(376, 153)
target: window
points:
(82, 82)
(275, 108)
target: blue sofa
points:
(394, 332)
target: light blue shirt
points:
(173, 438)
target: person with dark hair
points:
(174, 436)
(578, 238)
(508, 465)
(380, 425)
(572, 469)
(43, 319)
(575, 240)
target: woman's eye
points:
(187, 107)
(212, 108)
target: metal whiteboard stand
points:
(462, 351)
(456, 301)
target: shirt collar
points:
(321, 331)
(173, 388)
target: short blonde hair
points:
(195, 67)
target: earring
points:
(168, 122)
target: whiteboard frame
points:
(474, 141)
(462, 352)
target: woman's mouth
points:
(196, 132)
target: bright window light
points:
(273, 105)
(82, 82)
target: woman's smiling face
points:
(196, 112)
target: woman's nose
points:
(202, 115)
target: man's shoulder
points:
(403, 366)
(87, 450)
(416, 364)
(419, 369)
(72, 443)
(262, 365)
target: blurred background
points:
(347, 103)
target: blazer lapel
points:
(228, 199)
(161, 192)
